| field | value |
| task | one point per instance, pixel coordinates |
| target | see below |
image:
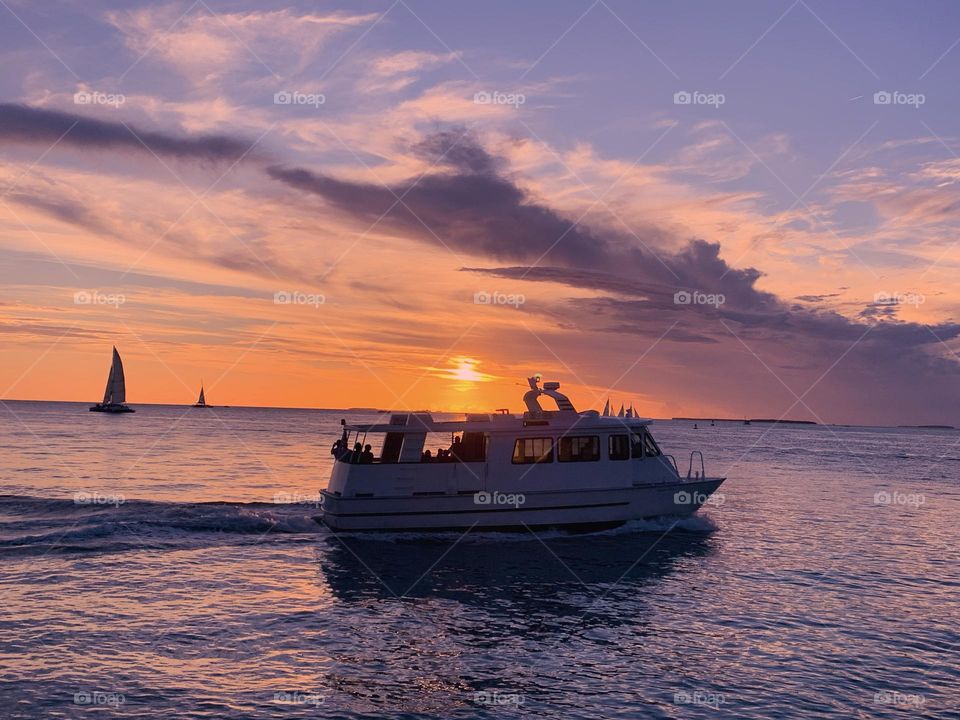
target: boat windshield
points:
(643, 445)
(407, 447)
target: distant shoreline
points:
(928, 427)
(750, 420)
(738, 421)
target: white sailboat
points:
(115, 394)
(202, 400)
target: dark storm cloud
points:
(880, 310)
(469, 204)
(471, 207)
(768, 317)
(24, 124)
(457, 149)
(480, 214)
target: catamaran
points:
(201, 401)
(545, 468)
(115, 394)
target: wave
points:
(31, 525)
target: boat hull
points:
(583, 509)
(115, 409)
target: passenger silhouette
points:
(366, 457)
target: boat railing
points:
(703, 471)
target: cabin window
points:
(473, 447)
(584, 448)
(650, 448)
(643, 445)
(533, 450)
(619, 447)
(391, 447)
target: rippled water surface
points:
(167, 564)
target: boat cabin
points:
(538, 436)
(541, 468)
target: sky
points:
(703, 209)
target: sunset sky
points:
(309, 204)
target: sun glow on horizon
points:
(464, 371)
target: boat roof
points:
(564, 417)
(480, 422)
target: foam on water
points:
(30, 524)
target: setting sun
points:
(465, 371)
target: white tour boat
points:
(548, 468)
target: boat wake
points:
(37, 526)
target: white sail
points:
(201, 400)
(117, 384)
(620, 413)
(606, 409)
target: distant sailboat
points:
(115, 394)
(606, 409)
(201, 401)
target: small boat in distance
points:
(546, 468)
(115, 394)
(201, 401)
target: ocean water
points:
(166, 564)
